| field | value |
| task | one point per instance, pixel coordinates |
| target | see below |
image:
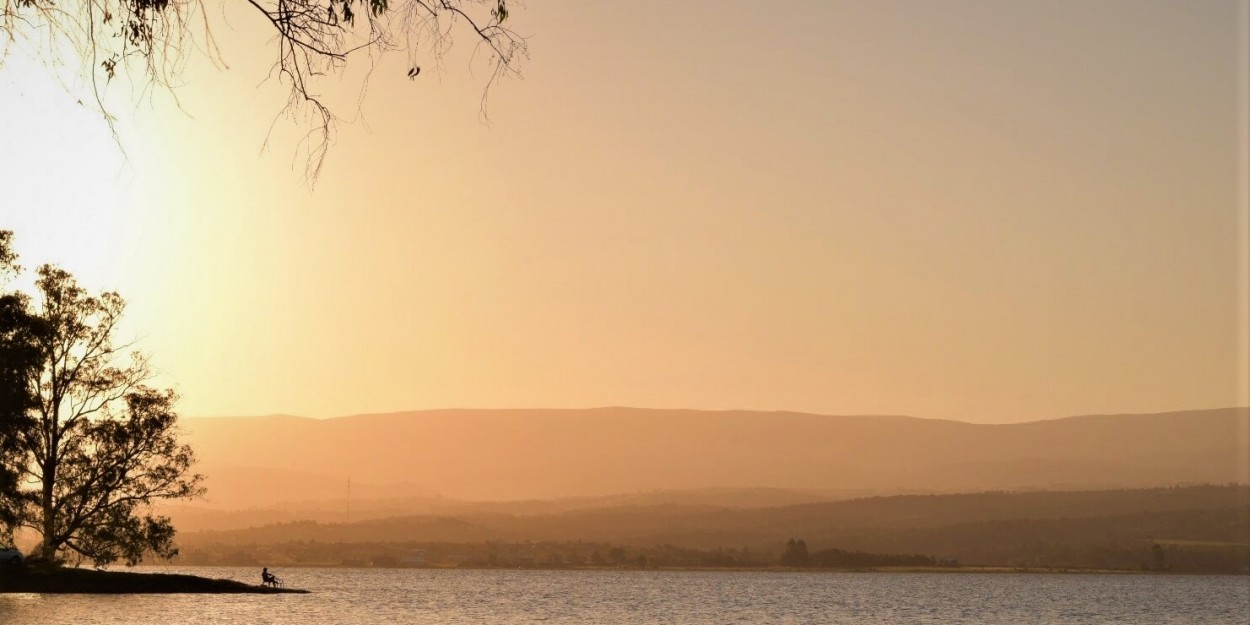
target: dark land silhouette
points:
(68, 580)
(1196, 529)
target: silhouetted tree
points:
(616, 555)
(150, 39)
(19, 359)
(795, 553)
(97, 446)
(1156, 551)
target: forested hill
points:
(520, 454)
(1203, 528)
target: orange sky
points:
(976, 211)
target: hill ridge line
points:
(710, 412)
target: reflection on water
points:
(366, 596)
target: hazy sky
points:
(984, 211)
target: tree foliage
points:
(151, 39)
(95, 446)
(19, 355)
(795, 553)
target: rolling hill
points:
(484, 455)
(1205, 528)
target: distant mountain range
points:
(418, 461)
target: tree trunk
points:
(47, 548)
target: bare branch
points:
(314, 40)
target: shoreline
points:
(23, 579)
(33, 580)
(715, 569)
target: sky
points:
(980, 211)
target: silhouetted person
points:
(267, 578)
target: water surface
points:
(420, 596)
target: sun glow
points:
(949, 243)
(65, 177)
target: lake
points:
(418, 596)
